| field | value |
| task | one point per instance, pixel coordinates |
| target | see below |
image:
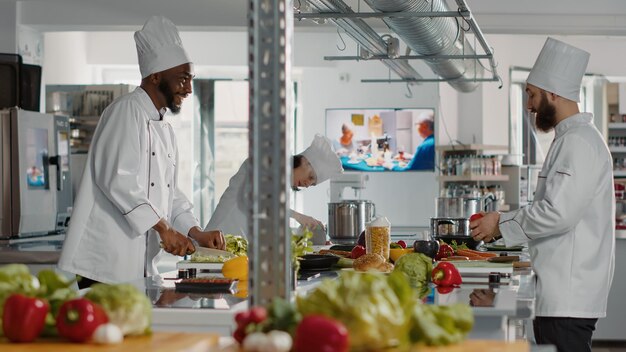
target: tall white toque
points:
(159, 46)
(559, 69)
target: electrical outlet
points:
(344, 77)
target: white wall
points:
(407, 199)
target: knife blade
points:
(205, 251)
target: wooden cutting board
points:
(157, 342)
(477, 346)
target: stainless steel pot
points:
(449, 227)
(346, 219)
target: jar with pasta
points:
(378, 236)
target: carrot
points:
(455, 257)
(467, 253)
(471, 252)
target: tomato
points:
(242, 318)
(317, 333)
(476, 216)
(258, 314)
(402, 243)
(357, 251)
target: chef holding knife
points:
(570, 226)
(315, 165)
(128, 204)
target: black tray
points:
(206, 285)
(317, 261)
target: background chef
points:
(570, 225)
(128, 203)
(315, 165)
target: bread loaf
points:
(370, 261)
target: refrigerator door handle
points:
(56, 160)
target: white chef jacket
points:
(570, 226)
(230, 215)
(129, 183)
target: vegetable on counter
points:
(126, 307)
(23, 318)
(445, 251)
(446, 274)
(79, 318)
(357, 251)
(417, 267)
(317, 333)
(236, 268)
(108, 334)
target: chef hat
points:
(559, 69)
(159, 46)
(323, 159)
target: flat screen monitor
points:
(383, 140)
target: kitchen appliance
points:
(449, 227)
(35, 192)
(464, 207)
(20, 84)
(346, 219)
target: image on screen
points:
(36, 157)
(381, 140)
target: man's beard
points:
(545, 115)
(169, 97)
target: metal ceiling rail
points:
(422, 80)
(325, 15)
(407, 57)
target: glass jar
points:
(378, 236)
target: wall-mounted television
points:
(383, 140)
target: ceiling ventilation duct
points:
(432, 36)
(365, 35)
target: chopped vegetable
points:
(23, 318)
(126, 307)
(79, 318)
(237, 245)
(446, 274)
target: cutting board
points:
(157, 342)
(187, 264)
(477, 346)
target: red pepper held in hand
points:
(446, 274)
(23, 318)
(79, 318)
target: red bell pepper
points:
(317, 333)
(446, 274)
(79, 318)
(445, 251)
(23, 318)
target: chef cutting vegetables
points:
(315, 165)
(129, 211)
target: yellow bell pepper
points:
(236, 268)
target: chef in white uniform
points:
(128, 204)
(315, 165)
(570, 226)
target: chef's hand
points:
(482, 298)
(306, 221)
(173, 241)
(486, 228)
(210, 239)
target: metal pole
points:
(270, 29)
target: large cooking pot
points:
(346, 219)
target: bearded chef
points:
(315, 165)
(570, 226)
(128, 204)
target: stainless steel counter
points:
(41, 250)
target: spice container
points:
(378, 236)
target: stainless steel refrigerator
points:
(36, 191)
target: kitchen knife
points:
(204, 251)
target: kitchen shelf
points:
(463, 178)
(617, 126)
(617, 149)
(473, 147)
(619, 173)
